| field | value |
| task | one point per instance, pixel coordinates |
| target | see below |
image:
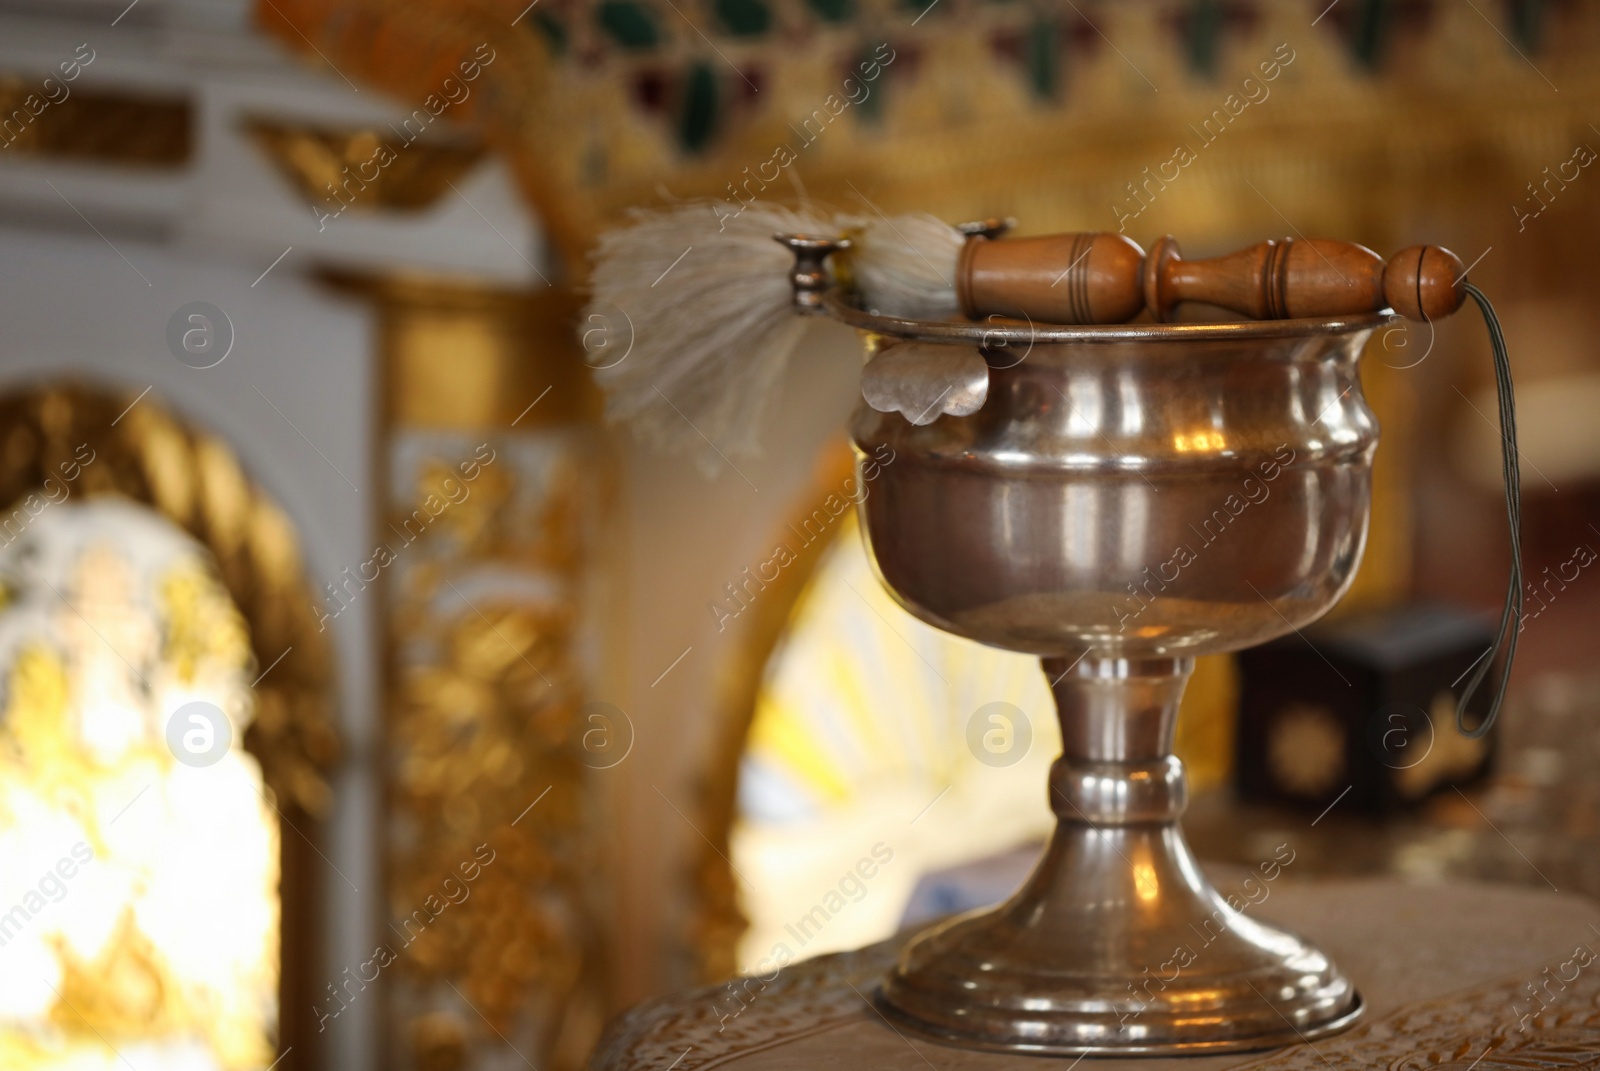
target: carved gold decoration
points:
(500, 350)
(496, 490)
(484, 717)
(93, 126)
(195, 480)
(142, 454)
(363, 169)
(950, 109)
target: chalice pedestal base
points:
(1117, 943)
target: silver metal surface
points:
(809, 276)
(922, 381)
(1127, 498)
(993, 227)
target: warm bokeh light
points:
(139, 904)
(862, 724)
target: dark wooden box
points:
(1364, 709)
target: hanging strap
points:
(1510, 617)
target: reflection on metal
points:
(250, 606)
(93, 126)
(1204, 441)
(334, 169)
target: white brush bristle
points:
(700, 303)
(906, 265)
(710, 337)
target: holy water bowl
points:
(1125, 499)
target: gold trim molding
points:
(467, 355)
(333, 168)
(95, 126)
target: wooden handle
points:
(1107, 279)
(1424, 282)
(1308, 277)
(1054, 278)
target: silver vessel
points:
(1124, 499)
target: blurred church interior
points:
(297, 419)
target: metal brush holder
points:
(1120, 500)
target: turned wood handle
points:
(1053, 278)
(1107, 279)
(1311, 277)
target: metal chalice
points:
(1123, 499)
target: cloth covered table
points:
(1455, 977)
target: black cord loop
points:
(1510, 617)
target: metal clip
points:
(810, 277)
(992, 227)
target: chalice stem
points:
(1117, 942)
(1117, 717)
